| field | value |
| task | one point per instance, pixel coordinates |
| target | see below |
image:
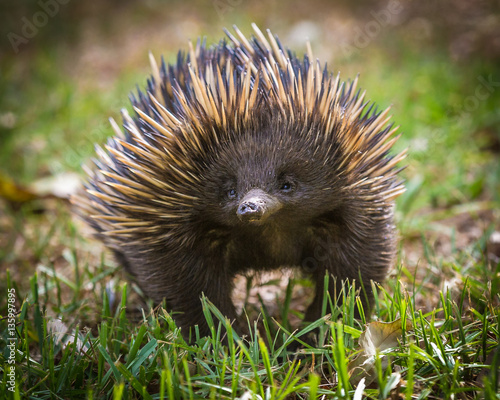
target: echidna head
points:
(267, 176)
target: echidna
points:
(243, 156)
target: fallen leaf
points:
(378, 337)
(14, 192)
(61, 185)
(64, 336)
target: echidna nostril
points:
(250, 211)
(248, 208)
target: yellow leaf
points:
(13, 192)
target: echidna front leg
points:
(347, 259)
(314, 311)
(181, 278)
(337, 282)
(184, 298)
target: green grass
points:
(450, 350)
(445, 287)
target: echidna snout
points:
(256, 206)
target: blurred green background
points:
(66, 66)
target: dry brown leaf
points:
(377, 337)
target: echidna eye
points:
(231, 193)
(286, 187)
